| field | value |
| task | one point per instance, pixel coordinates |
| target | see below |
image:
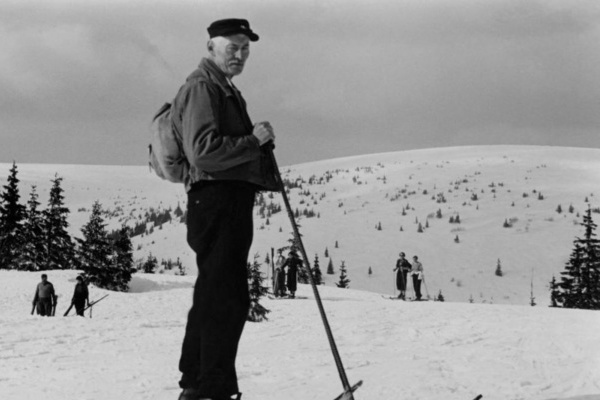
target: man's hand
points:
(263, 132)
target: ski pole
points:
(272, 270)
(425, 285)
(348, 390)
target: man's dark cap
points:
(231, 26)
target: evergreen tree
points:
(580, 282)
(257, 312)
(96, 253)
(33, 254)
(123, 259)
(59, 245)
(330, 270)
(440, 297)
(554, 293)
(150, 265)
(498, 269)
(344, 282)
(12, 215)
(316, 270)
(180, 267)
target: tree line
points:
(35, 239)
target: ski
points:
(95, 301)
(54, 305)
(391, 297)
(287, 297)
(68, 309)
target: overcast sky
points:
(80, 80)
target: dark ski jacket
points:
(80, 294)
(403, 266)
(292, 264)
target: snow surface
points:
(499, 346)
(402, 350)
(357, 198)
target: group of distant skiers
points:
(283, 279)
(403, 268)
(45, 298)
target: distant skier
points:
(403, 267)
(44, 298)
(80, 296)
(279, 277)
(417, 276)
(292, 263)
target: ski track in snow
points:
(413, 350)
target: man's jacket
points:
(210, 116)
(81, 293)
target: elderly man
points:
(44, 298)
(229, 163)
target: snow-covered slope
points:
(484, 185)
(402, 350)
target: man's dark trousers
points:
(44, 306)
(219, 230)
(417, 286)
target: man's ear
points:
(210, 46)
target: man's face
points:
(230, 53)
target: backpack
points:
(165, 151)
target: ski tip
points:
(479, 397)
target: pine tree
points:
(96, 253)
(580, 282)
(60, 247)
(498, 269)
(33, 254)
(150, 265)
(123, 259)
(440, 297)
(257, 312)
(555, 296)
(330, 270)
(180, 267)
(12, 215)
(344, 282)
(316, 271)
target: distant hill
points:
(505, 197)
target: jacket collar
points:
(211, 70)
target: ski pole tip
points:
(348, 393)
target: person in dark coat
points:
(292, 263)
(403, 267)
(81, 297)
(279, 278)
(44, 298)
